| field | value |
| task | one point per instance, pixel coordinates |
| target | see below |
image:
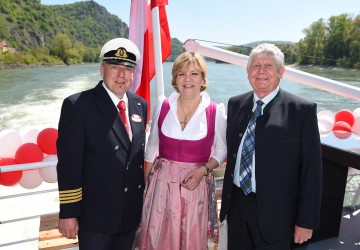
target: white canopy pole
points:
(292, 74)
(159, 76)
(27, 166)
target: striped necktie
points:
(248, 151)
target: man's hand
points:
(69, 227)
(302, 235)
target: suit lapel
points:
(244, 112)
(273, 101)
(137, 121)
(111, 114)
(135, 115)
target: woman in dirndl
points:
(186, 142)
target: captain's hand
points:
(193, 178)
(69, 227)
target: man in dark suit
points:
(272, 189)
(101, 156)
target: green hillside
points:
(27, 24)
(57, 34)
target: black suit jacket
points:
(287, 163)
(100, 171)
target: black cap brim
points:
(119, 62)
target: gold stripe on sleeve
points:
(70, 196)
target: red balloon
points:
(345, 115)
(9, 178)
(342, 126)
(342, 130)
(47, 140)
(28, 153)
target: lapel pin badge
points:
(136, 118)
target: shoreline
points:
(28, 66)
(323, 67)
(49, 65)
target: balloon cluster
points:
(343, 124)
(28, 147)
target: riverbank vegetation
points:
(32, 34)
(331, 43)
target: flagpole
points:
(157, 53)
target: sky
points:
(238, 22)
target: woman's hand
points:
(193, 178)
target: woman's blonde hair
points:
(183, 61)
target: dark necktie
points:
(248, 151)
(122, 112)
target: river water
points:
(32, 97)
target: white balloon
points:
(356, 127)
(30, 179)
(49, 174)
(356, 111)
(29, 135)
(50, 158)
(323, 131)
(10, 141)
(327, 113)
(325, 123)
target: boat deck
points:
(24, 212)
(349, 236)
(348, 239)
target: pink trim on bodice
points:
(186, 150)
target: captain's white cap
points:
(120, 51)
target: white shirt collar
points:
(114, 98)
(267, 98)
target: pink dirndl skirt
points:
(174, 217)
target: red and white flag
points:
(140, 32)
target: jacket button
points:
(139, 186)
(234, 155)
(116, 147)
(126, 189)
(141, 166)
(127, 168)
(232, 175)
(240, 135)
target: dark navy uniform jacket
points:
(100, 171)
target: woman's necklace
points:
(185, 121)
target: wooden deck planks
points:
(49, 236)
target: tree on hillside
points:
(335, 43)
(60, 47)
(312, 45)
(337, 40)
(354, 44)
